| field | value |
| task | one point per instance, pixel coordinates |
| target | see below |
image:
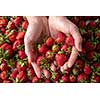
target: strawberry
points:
(21, 65)
(18, 44)
(3, 22)
(5, 46)
(82, 24)
(89, 33)
(17, 20)
(42, 49)
(55, 48)
(25, 25)
(11, 25)
(14, 73)
(98, 35)
(72, 78)
(35, 79)
(49, 54)
(75, 71)
(47, 81)
(67, 71)
(30, 73)
(95, 78)
(83, 78)
(92, 24)
(4, 75)
(12, 35)
(60, 38)
(53, 67)
(3, 66)
(87, 70)
(64, 79)
(49, 41)
(21, 54)
(3, 30)
(69, 41)
(64, 47)
(55, 76)
(60, 59)
(20, 35)
(40, 60)
(7, 81)
(46, 73)
(98, 48)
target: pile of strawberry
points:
(52, 54)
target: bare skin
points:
(42, 25)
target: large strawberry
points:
(60, 38)
(49, 41)
(60, 59)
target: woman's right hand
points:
(37, 25)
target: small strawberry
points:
(49, 41)
(35, 79)
(83, 78)
(46, 73)
(72, 78)
(60, 59)
(69, 41)
(49, 54)
(3, 66)
(55, 48)
(60, 38)
(3, 30)
(21, 54)
(95, 78)
(14, 74)
(3, 22)
(18, 44)
(82, 24)
(17, 20)
(64, 47)
(25, 25)
(92, 24)
(11, 25)
(4, 75)
(87, 70)
(20, 35)
(64, 79)
(55, 76)
(42, 49)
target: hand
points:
(62, 24)
(37, 25)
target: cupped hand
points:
(62, 24)
(37, 26)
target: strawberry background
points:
(14, 65)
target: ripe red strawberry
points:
(92, 24)
(25, 25)
(40, 60)
(11, 25)
(7, 81)
(79, 63)
(69, 41)
(30, 73)
(55, 76)
(49, 54)
(12, 35)
(17, 44)
(3, 22)
(5, 46)
(3, 66)
(14, 74)
(42, 49)
(46, 73)
(21, 54)
(96, 65)
(20, 35)
(72, 78)
(64, 47)
(82, 24)
(4, 75)
(49, 41)
(53, 67)
(83, 78)
(87, 70)
(95, 79)
(64, 79)
(3, 30)
(35, 79)
(60, 38)
(47, 81)
(21, 65)
(60, 59)
(17, 20)
(55, 48)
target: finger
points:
(72, 57)
(78, 39)
(36, 69)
